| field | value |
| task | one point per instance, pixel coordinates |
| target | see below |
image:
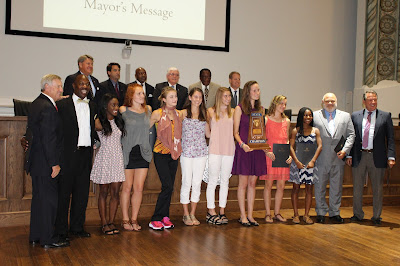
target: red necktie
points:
(116, 89)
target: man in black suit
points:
(112, 85)
(373, 150)
(141, 78)
(77, 115)
(234, 82)
(85, 65)
(172, 81)
(43, 162)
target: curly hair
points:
(102, 115)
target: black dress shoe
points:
(56, 245)
(34, 242)
(82, 233)
(63, 238)
(376, 221)
(355, 219)
(320, 219)
(336, 219)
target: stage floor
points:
(233, 244)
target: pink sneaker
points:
(167, 223)
(156, 225)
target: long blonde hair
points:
(218, 103)
(275, 101)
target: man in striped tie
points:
(373, 151)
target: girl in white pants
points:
(221, 153)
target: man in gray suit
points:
(333, 125)
(209, 88)
(374, 149)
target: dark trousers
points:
(376, 176)
(166, 169)
(74, 182)
(43, 209)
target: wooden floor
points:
(273, 244)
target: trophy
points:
(257, 139)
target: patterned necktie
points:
(206, 93)
(116, 89)
(366, 131)
(235, 98)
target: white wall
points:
(299, 48)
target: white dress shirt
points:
(143, 85)
(371, 128)
(83, 117)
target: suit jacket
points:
(233, 105)
(212, 91)
(66, 109)
(181, 91)
(343, 127)
(69, 89)
(149, 93)
(45, 143)
(107, 87)
(384, 145)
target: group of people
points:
(61, 137)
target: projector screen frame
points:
(10, 31)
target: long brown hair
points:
(130, 91)
(202, 107)
(246, 104)
(218, 102)
(275, 101)
(163, 95)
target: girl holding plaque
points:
(194, 152)
(277, 129)
(248, 164)
(221, 152)
(308, 144)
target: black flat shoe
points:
(320, 219)
(253, 223)
(56, 245)
(248, 224)
(336, 219)
(355, 219)
(82, 233)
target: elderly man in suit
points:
(43, 162)
(209, 88)
(172, 81)
(374, 149)
(113, 85)
(77, 115)
(141, 78)
(234, 86)
(85, 65)
(333, 125)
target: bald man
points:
(333, 124)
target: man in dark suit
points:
(234, 86)
(374, 149)
(172, 81)
(77, 115)
(141, 78)
(112, 85)
(85, 65)
(43, 162)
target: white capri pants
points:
(218, 165)
(192, 176)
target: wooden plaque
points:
(257, 139)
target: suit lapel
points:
(359, 122)
(378, 121)
(336, 121)
(324, 121)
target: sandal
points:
(280, 218)
(127, 222)
(307, 219)
(253, 223)
(213, 219)
(105, 231)
(187, 220)
(194, 220)
(223, 218)
(114, 228)
(248, 224)
(296, 219)
(135, 225)
(268, 218)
